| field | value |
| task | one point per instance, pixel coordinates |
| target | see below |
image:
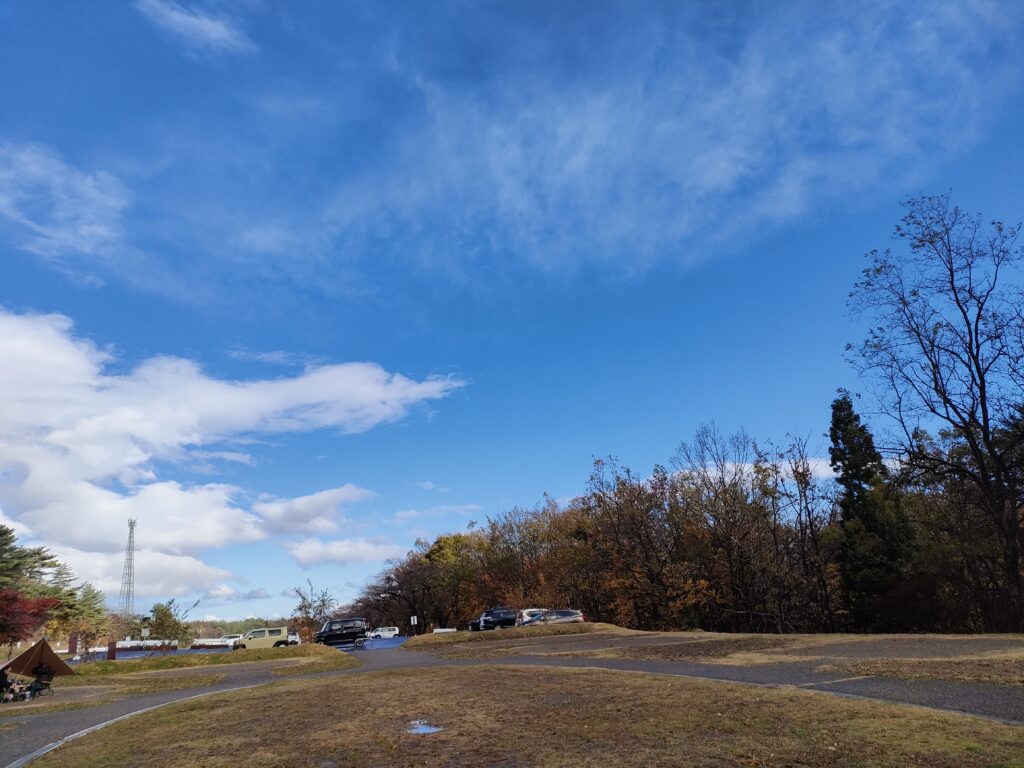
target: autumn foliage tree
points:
(21, 616)
(922, 529)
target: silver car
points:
(564, 616)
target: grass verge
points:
(996, 671)
(103, 682)
(301, 654)
(528, 716)
(446, 639)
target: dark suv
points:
(351, 631)
(494, 618)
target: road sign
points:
(145, 631)
(412, 620)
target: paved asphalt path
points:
(1003, 703)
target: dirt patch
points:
(530, 716)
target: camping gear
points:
(39, 661)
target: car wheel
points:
(359, 642)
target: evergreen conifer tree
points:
(877, 538)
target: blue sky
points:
(295, 285)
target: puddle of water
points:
(422, 726)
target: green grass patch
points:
(533, 716)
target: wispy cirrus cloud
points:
(439, 511)
(622, 141)
(60, 213)
(197, 31)
(273, 357)
(428, 485)
(680, 141)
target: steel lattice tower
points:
(126, 603)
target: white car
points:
(527, 615)
(384, 632)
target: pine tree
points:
(877, 538)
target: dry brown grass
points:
(298, 653)
(432, 642)
(110, 681)
(1000, 671)
(528, 716)
(609, 641)
(716, 648)
(970, 657)
(82, 693)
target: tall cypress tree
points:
(877, 538)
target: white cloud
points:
(198, 32)
(157, 574)
(237, 457)
(309, 552)
(429, 486)
(315, 513)
(224, 593)
(681, 142)
(438, 511)
(275, 357)
(81, 447)
(59, 212)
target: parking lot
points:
(374, 644)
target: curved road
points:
(34, 732)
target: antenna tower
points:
(126, 603)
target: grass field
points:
(995, 659)
(104, 681)
(436, 642)
(992, 669)
(301, 654)
(529, 716)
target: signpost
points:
(412, 622)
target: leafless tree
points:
(947, 346)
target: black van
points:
(351, 631)
(494, 618)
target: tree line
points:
(916, 528)
(38, 592)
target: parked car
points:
(494, 618)
(349, 631)
(527, 614)
(384, 632)
(564, 616)
(264, 637)
(294, 639)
